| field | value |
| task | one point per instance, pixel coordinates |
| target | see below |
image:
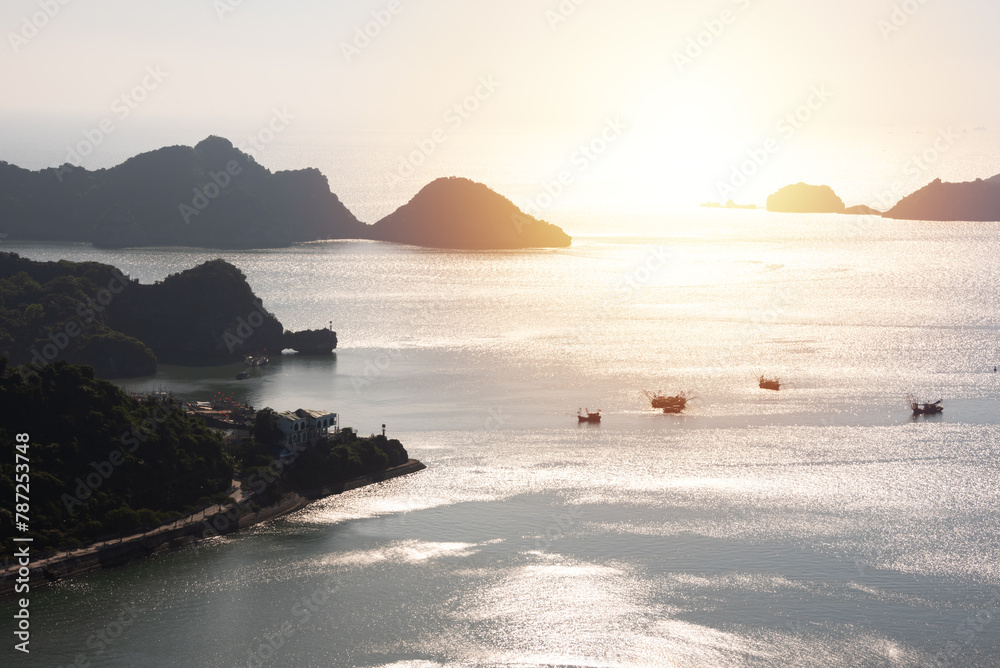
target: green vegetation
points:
(90, 313)
(101, 462)
(52, 310)
(271, 469)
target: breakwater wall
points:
(119, 552)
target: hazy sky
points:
(223, 66)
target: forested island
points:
(105, 464)
(90, 313)
(213, 195)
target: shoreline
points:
(167, 537)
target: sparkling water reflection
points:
(819, 525)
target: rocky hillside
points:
(975, 201)
(212, 195)
(90, 313)
(462, 214)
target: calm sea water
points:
(821, 525)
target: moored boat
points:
(924, 408)
(674, 404)
(769, 383)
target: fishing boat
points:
(584, 415)
(255, 360)
(674, 404)
(923, 408)
(769, 383)
(242, 375)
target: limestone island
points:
(214, 195)
(977, 201)
(728, 205)
(458, 213)
(805, 198)
(90, 313)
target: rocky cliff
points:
(211, 195)
(974, 201)
(462, 214)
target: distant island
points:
(213, 195)
(462, 214)
(862, 210)
(805, 198)
(977, 200)
(90, 313)
(728, 205)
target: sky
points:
(701, 86)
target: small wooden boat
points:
(674, 404)
(769, 383)
(585, 415)
(923, 408)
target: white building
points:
(305, 426)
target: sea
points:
(820, 525)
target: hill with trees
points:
(101, 462)
(90, 313)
